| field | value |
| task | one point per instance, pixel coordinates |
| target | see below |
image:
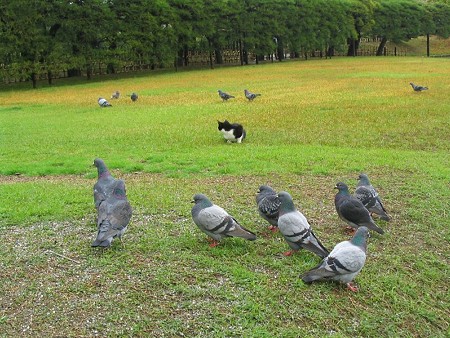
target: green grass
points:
(316, 123)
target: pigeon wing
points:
(366, 196)
(269, 207)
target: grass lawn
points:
(317, 122)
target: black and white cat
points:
(232, 132)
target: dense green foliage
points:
(53, 36)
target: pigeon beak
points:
(192, 201)
(336, 187)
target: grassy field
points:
(317, 122)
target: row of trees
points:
(49, 36)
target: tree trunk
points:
(89, 72)
(353, 45)
(34, 80)
(330, 52)
(219, 56)
(381, 46)
(49, 77)
(280, 50)
(428, 45)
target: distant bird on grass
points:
(296, 230)
(103, 102)
(134, 97)
(367, 194)
(418, 88)
(225, 96)
(250, 96)
(115, 95)
(352, 211)
(114, 214)
(105, 183)
(343, 263)
(268, 204)
(216, 222)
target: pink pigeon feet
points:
(288, 253)
(350, 230)
(214, 243)
(273, 228)
(352, 287)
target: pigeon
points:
(216, 222)
(224, 96)
(268, 205)
(296, 230)
(418, 88)
(105, 182)
(352, 211)
(250, 96)
(115, 95)
(134, 97)
(367, 194)
(103, 102)
(343, 263)
(114, 214)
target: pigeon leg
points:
(352, 287)
(288, 253)
(350, 230)
(214, 243)
(273, 228)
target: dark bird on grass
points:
(296, 230)
(134, 97)
(115, 95)
(343, 263)
(105, 182)
(418, 88)
(352, 211)
(225, 96)
(216, 222)
(103, 102)
(367, 194)
(114, 215)
(268, 204)
(250, 96)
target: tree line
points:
(47, 37)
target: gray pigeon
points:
(268, 205)
(418, 88)
(367, 194)
(103, 102)
(352, 211)
(115, 95)
(296, 230)
(134, 97)
(224, 96)
(114, 214)
(105, 183)
(250, 96)
(216, 222)
(343, 263)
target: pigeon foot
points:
(352, 287)
(213, 244)
(288, 253)
(273, 228)
(350, 230)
